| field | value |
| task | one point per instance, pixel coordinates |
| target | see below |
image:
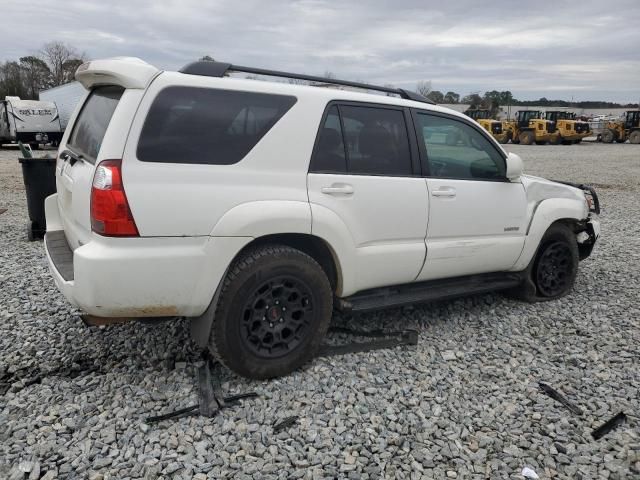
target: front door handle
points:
(338, 189)
(447, 192)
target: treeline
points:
(55, 64)
(495, 99)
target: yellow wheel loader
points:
(529, 127)
(494, 127)
(622, 130)
(569, 129)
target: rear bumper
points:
(139, 277)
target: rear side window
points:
(91, 125)
(208, 126)
(363, 140)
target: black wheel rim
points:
(277, 317)
(554, 269)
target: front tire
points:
(527, 138)
(274, 310)
(553, 270)
(608, 136)
(634, 137)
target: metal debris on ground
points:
(286, 423)
(609, 425)
(383, 340)
(553, 393)
(2, 210)
(211, 398)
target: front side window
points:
(457, 150)
(91, 125)
(363, 140)
(208, 126)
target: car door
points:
(364, 179)
(477, 218)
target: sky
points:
(583, 50)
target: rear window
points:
(91, 125)
(208, 126)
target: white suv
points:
(256, 207)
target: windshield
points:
(91, 125)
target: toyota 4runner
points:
(256, 208)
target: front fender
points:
(544, 214)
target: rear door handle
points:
(338, 189)
(447, 192)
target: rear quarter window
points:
(208, 126)
(93, 121)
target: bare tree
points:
(63, 60)
(36, 75)
(329, 74)
(424, 87)
(12, 80)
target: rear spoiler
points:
(126, 72)
(588, 191)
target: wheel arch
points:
(567, 211)
(314, 246)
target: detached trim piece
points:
(60, 253)
(220, 69)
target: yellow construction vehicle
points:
(529, 127)
(494, 127)
(569, 129)
(622, 130)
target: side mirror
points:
(514, 166)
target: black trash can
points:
(39, 176)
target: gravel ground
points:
(464, 403)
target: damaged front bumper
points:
(587, 237)
(589, 229)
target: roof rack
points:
(220, 69)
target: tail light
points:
(110, 212)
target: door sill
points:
(429, 291)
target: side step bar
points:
(427, 291)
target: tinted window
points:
(91, 125)
(329, 153)
(376, 140)
(208, 126)
(457, 150)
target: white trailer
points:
(29, 121)
(66, 97)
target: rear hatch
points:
(97, 131)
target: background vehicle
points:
(569, 129)
(255, 208)
(623, 130)
(29, 121)
(529, 126)
(66, 98)
(494, 127)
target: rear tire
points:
(608, 136)
(634, 137)
(273, 312)
(552, 272)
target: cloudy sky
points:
(582, 50)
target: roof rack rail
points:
(220, 69)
